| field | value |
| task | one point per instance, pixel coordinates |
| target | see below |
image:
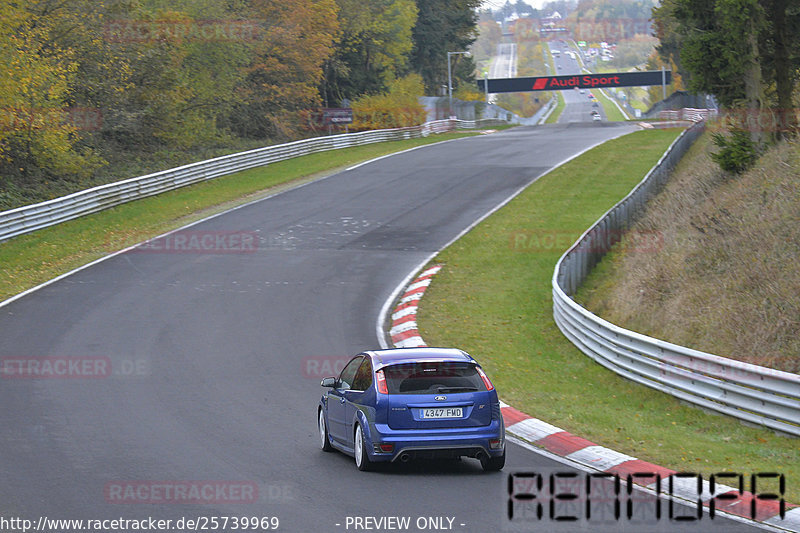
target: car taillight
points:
(381, 381)
(486, 381)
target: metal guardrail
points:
(752, 393)
(687, 113)
(30, 218)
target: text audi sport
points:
(405, 403)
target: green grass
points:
(31, 259)
(560, 104)
(493, 299)
(612, 111)
(640, 99)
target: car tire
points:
(493, 464)
(324, 438)
(360, 450)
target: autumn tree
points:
(159, 81)
(184, 67)
(286, 68)
(398, 107)
(35, 127)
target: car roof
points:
(393, 356)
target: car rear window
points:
(433, 378)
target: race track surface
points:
(215, 355)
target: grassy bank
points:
(29, 260)
(724, 278)
(560, 104)
(613, 113)
(493, 299)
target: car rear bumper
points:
(434, 444)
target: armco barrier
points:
(33, 217)
(749, 392)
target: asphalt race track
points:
(578, 105)
(215, 356)
(505, 66)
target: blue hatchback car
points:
(406, 403)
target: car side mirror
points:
(328, 382)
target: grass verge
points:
(31, 259)
(724, 278)
(493, 299)
(560, 104)
(612, 111)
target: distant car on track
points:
(597, 118)
(406, 403)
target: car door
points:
(336, 400)
(357, 397)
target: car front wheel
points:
(360, 451)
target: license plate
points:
(443, 412)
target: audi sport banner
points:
(581, 81)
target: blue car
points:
(406, 403)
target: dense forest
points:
(95, 90)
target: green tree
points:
(372, 49)
(286, 67)
(444, 26)
(738, 50)
(781, 58)
(184, 67)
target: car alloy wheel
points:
(324, 441)
(360, 451)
